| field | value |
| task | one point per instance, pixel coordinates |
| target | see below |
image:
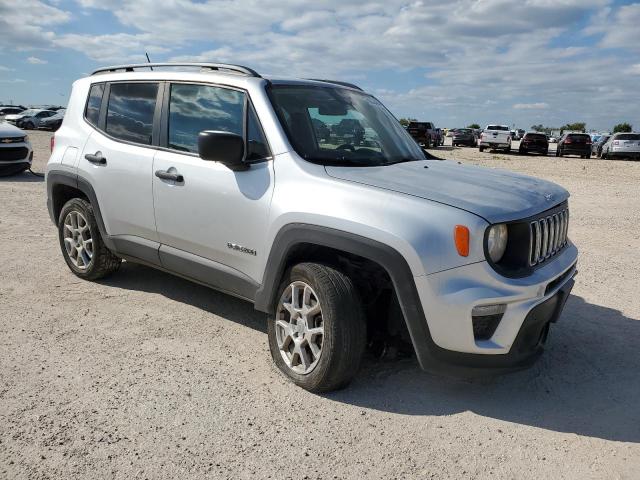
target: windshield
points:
(29, 113)
(330, 125)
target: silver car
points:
(16, 153)
(29, 119)
(217, 174)
(622, 145)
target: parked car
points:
(10, 110)
(16, 153)
(322, 130)
(622, 145)
(349, 127)
(472, 265)
(495, 137)
(553, 139)
(596, 146)
(574, 144)
(534, 142)
(424, 133)
(464, 136)
(29, 119)
(53, 122)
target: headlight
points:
(25, 139)
(497, 242)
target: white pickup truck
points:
(494, 137)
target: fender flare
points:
(76, 181)
(387, 257)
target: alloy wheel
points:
(299, 327)
(77, 240)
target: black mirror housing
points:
(223, 147)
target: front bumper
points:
(532, 303)
(15, 157)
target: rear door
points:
(117, 160)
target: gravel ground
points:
(149, 376)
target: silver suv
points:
(345, 238)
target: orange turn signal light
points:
(461, 237)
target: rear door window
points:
(130, 111)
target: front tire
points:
(317, 332)
(82, 247)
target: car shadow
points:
(146, 279)
(24, 177)
(587, 382)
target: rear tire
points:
(481, 149)
(81, 243)
(313, 363)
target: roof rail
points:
(205, 66)
(336, 82)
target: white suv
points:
(342, 237)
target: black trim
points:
(137, 249)
(520, 268)
(207, 272)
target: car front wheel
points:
(317, 333)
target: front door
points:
(211, 215)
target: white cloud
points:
(531, 106)
(28, 24)
(5, 69)
(36, 61)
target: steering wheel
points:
(346, 146)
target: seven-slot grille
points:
(548, 236)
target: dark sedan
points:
(574, 144)
(464, 136)
(534, 142)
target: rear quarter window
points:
(92, 110)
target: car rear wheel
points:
(82, 247)
(317, 332)
(29, 126)
(481, 148)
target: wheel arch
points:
(292, 237)
(63, 186)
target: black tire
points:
(522, 152)
(29, 126)
(558, 152)
(481, 149)
(103, 261)
(345, 332)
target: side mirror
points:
(223, 147)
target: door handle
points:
(96, 158)
(165, 175)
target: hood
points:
(13, 116)
(493, 194)
(9, 131)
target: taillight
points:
(568, 140)
(53, 142)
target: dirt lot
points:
(149, 376)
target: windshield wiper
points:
(405, 160)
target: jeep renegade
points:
(218, 175)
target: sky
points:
(514, 62)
